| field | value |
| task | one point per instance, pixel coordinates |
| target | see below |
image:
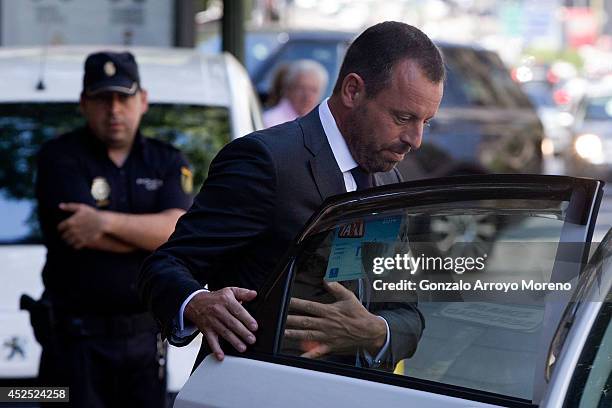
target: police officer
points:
(107, 197)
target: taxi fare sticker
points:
(352, 230)
(344, 261)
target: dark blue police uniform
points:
(103, 339)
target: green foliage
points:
(197, 131)
(550, 56)
(24, 127)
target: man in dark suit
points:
(263, 187)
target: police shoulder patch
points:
(186, 180)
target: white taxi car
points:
(197, 102)
(546, 341)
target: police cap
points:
(111, 72)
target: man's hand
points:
(83, 227)
(221, 314)
(341, 327)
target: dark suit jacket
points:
(261, 189)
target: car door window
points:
(479, 78)
(485, 340)
(591, 385)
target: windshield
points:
(454, 258)
(479, 78)
(258, 46)
(599, 108)
(539, 94)
(199, 131)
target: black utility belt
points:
(113, 326)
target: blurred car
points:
(267, 50)
(556, 120)
(485, 122)
(548, 348)
(591, 152)
(198, 103)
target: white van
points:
(197, 102)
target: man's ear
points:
(352, 91)
(144, 101)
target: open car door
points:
(473, 272)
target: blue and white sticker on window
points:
(345, 259)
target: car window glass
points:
(479, 78)
(539, 93)
(592, 382)
(197, 130)
(483, 340)
(258, 46)
(328, 54)
(591, 385)
(502, 81)
(599, 109)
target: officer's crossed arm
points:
(89, 227)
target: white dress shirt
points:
(346, 163)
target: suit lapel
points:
(325, 171)
(327, 175)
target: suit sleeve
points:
(406, 326)
(231, 210)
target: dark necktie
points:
(362, 178)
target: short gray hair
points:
(306, 66)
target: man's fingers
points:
(244, 295)
(71, 207)
(236, 326)
(232, 304)
(73, 239)
(304, 322)
(308, 335)
(64, 225)
(338, 291)
(317, 352)
(213, 342)
(223, 331)
(307, 307)
(69, 238)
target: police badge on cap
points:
(111, 72)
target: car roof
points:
(170, 75)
